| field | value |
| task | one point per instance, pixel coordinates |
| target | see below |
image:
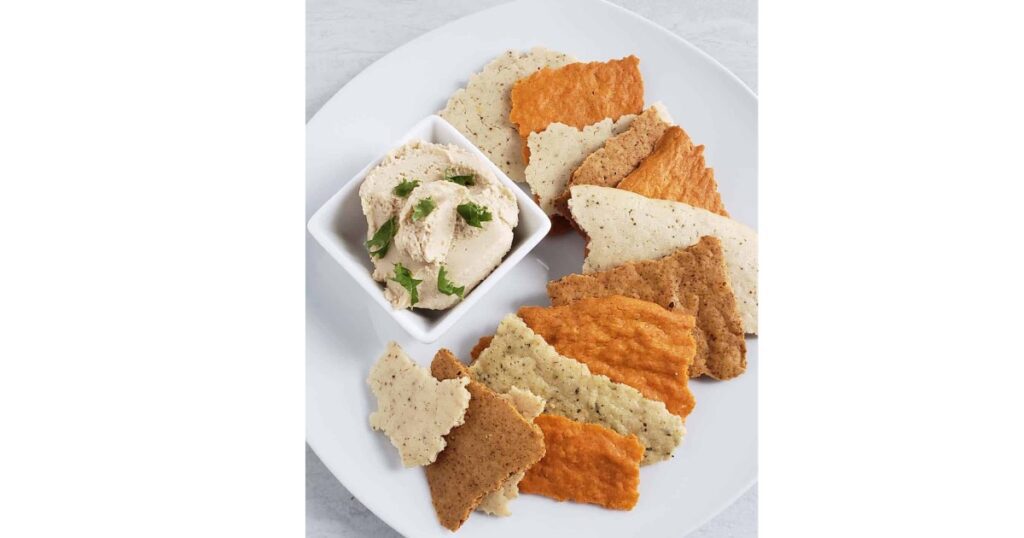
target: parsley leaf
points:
(404, 277)
(423, 208)
(474, 214)
(466, 180)
(381, 240)
(446, 286)
(405, 187)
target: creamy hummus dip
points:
(438, 222)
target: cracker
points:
(480, 111)
(481, 345)
(696, 273)
(519, 357)
(634, 342)
(529, 406)
(619, 156)
(556, 151)
(675, 171)
(493, 444)
(622, 226)
(415, 410)
(586, 463)
(577, 95)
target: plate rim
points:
(339, 94)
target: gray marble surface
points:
(345, 36)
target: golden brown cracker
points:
(692, 280)
(586, 463)
(620, 155)
(577, 94)
(494, 443)
(480, 346)
(633, 342)
(675, 171)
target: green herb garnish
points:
(474, 214)
(447, 287)
(404, 277)
(378, 245)
(405, 187)
(466, 180)
(423, 208)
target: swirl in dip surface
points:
(429, 230)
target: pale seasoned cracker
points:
(480, 111)
(556, 151)
(415, 410)
(494, 444)
(519, 357)
(577, 94)
(530, 406)
(634, 342)
(619, 156)
(675, 171)
(622, 227)
(696, 272)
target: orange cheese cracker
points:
(577, 95)
(493, 444)
(675, 171)
(586, 463)
(633, 342)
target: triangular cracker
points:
(697, 272)
(530, 406)
(493, 444)
(675, 171)
(622, 226)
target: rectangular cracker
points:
(577, 94)
(586, 463)
(620, 155)
(519, 357)
(697, 271)
(556, 151)
(480, 110)
(530, 406)
(493, 444)
(415, 410)
(634, 342)
(675, 171)
(623, 226)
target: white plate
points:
(345, 334)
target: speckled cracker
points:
(415, 410)
(634, 342)
(578, 94)
(586, 463)
(530, 406)
(675, 171)
(556, 151)
(620, 155)
(480, 346)
(519, 357)
(495, 443)
(623, 226)
(697, 272)
(480, 111)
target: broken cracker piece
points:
(577, 94)
(696, 272)
(634, 342)
(619, 156)
(586, 463)
(493, 444)
(519, 357)
(675, 171)
(480, 111)
(415, 410)
(530, 406)
(623, 226)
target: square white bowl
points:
(340, 227)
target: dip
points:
(438, 222)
